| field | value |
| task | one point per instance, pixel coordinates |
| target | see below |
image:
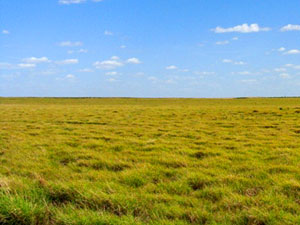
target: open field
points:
(150, 161)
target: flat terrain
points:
(150, 161)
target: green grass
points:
(149, 161)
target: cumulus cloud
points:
(79, 51)
(5, 32)
(82, 51)
(285, 75)
(204, 73)
(244, 73)
(227, 61)
(233, 62)
(292, 52)
(112, 80)
(172, 67)
(222, 42)
(70, 76)
(108, 33)
(184, 70)
(239, 63)
(280, 69)
(68, 2)
(113, 73)
(282, 49)
(134, 61)
(26, 65)
(296, 67)
(86, 70)
(67, 61)
(70, 44)
(108, 64)
(5, 65)
(244, 28)
(36, 60)
(115, 62)
(290, 27)
(153, 79)
(115, 58)
(249, 81)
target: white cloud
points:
(292, 52)
(247, 73)
(134, 61)
(70, 76)
(112, 80)
(86, 70)
(222, 42)
(280, 70)
(203, 73)
(4, 65)
(140, 74)
(233, 62)
(79, 51)
(296, 67)
(285, 75)
(67, 61)
(108, 33)
(113, 73)
(239, 63)
(108, 64)
(5, 32)
(123, 46)
(249, 81)
(235, 38)
(184, 70)
(172, 67)
(265, 71)
(115, 58)
(82, 51)
(290, 27)
(244, 28)
(50, 71)
(26, 65)
(282, 49)
(170, 81)
(115, 62)
(70, 44)
(153, 79)
(244, 73)
(227, 61)
(68, 2)
(36, 60)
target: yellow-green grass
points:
(149, 161)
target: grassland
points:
(149, 161)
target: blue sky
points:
(142, 48)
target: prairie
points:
(149, 161)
